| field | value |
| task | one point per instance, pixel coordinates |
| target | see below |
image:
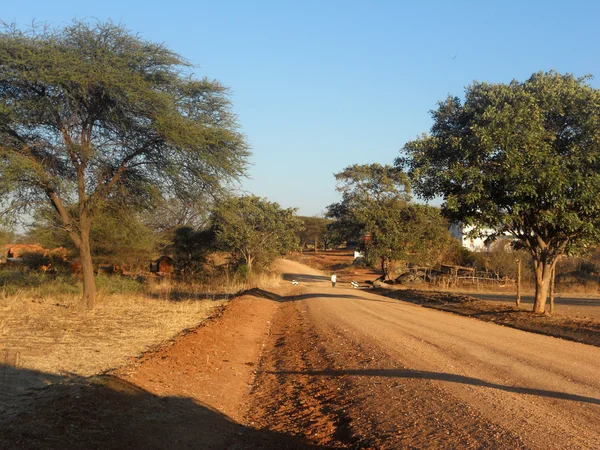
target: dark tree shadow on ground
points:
(560, 299)
(304, 278)
(440, 376)
(106, 412)
(261, 293)
(177, 295)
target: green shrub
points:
(118, 285)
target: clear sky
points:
(320, 85)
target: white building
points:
(479, 244)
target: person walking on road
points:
(333, 279)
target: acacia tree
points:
(521, 158)
(254, 229)
(92, 113)
(376, 201)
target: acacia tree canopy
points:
(522, 158)
(255, 229)
(91, 112)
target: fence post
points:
(518, 301)
(552, 276)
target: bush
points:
(16, 279)
(118, 285)
(242, 271)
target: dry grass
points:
(49, 333)
(53, 335)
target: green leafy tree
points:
(376, 203)
(191, 249)
(91, 112)
(168, 215)
(522, 158)
(407, 232)
(6, 236)
(364, 187)
(315, 231)
(255, 230)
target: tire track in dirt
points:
(303, 405)
(322, 383)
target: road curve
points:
(544, 390)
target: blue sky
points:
(320, 85)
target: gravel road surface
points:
(540, 392)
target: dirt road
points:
(316, 367)
(418, 377)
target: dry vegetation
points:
(46, 332)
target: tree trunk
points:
(385, 268)
(543, 275)
(87, 268)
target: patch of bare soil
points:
(586, 331)
(304, 389)
(190, 393)
(338, 261)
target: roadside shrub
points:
(118, 285)
(14, 280)
(242, 271)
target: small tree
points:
(375, 202)
(522, 158)
(6, 236)
(89, 113)
(402, 231)
(191, 249)
(117, 235)
(364, 187)
(315, 230)
(255, 230)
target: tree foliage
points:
(6, 236)
(376, 203)
(191, 249)
(92, 112)
(117, 236)
(364, 187)
(403, 231)
(314, 231)
(522, 158)
(255, 230)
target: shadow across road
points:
(528, 299)
(107, 412)
(261, 293)
(441, 376)
(303, 278)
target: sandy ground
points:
(310, 366)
